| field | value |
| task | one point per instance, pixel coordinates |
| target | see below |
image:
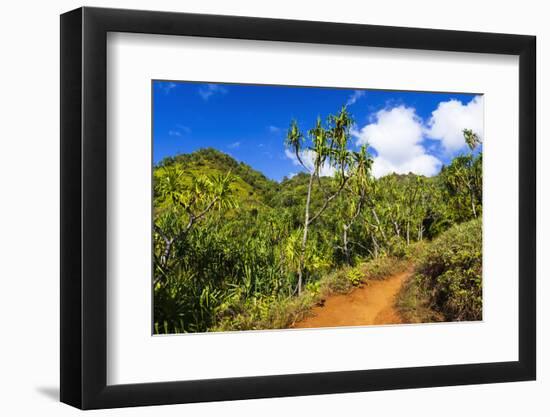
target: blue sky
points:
(407, 131)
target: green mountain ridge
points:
(250, 185)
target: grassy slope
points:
(447, 283)
(251, 188)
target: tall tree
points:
(463, 177)
(328, 146)
(357, 189)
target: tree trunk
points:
(468, 183)
(345, 241)
(348, 226)
(378, 223)
(408, 232)
(397, 231)
(304, 237)
(473, 203)
(375, 243)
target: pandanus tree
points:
(328, 145)
(420, 211)
(390, 198)
(472, 139)
(180, 204)
(357, 190)
(463, 176)
(413, 201)
(374, 222)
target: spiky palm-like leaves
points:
(463, 176)
(190, 200)
(339, 132)
(472, 139)
(294, 140)
(357, 188)
(328, 145)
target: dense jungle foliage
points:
(447, 285)
(234, 250)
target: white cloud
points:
(422, 164)
(308, 156)
(183, 128)
(451, 117)
(274, 129)
(234, 145)
(166, 87)
(396, 135)
(292, 156)
(291, 175)
(357, 94)
(179, 130)
(210, 89)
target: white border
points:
(134, 356)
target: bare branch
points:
(161, 233)
(321, 187)
(208, 207)
(167, 245)
(299, 158)
(328, 200)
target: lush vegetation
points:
(234, 250)
(447, 285)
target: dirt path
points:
(373, 303)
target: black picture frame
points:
(84, 207)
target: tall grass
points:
(284, 312)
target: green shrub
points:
(413, 304)
(396, 247)
(355, 276)
(382, 267)
(416, 250)
(449, 273)
(338, 282)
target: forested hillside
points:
(234, 250)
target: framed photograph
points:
(256, 208)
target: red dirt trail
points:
(372, 303)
